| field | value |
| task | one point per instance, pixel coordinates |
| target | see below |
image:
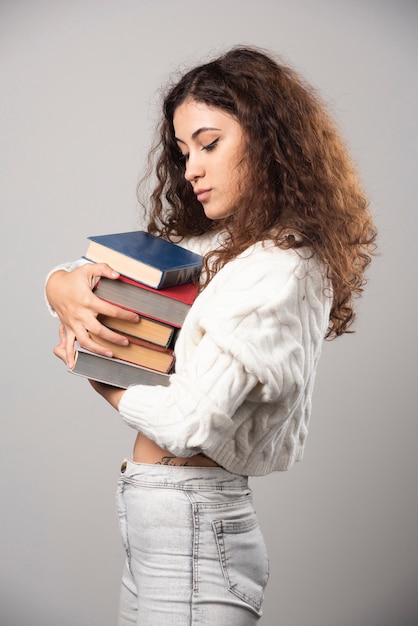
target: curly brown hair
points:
(302, 188)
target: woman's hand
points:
(70, 295)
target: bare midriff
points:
(147, 451)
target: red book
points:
(169, 305)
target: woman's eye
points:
(211, 145)
(183, 157)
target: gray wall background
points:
(79, 80)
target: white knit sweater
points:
(246, 359)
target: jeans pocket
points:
(243, 557)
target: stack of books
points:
(157, 281)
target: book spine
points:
(172, 278)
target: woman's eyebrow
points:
(197, 132)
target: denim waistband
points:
(182, 476)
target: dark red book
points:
(169, 305)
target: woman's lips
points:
(202, 194)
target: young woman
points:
(252, 174)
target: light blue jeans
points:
(194, 548)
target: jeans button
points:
(123, 467)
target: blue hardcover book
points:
(145, 258)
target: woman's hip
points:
(192, 539)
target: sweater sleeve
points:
(198, 405)
(242, 345)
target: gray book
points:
(114, 371)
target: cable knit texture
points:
(246, 359)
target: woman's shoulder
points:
(202, 244)
(266, 260)
(264, 277)
(263, 290)
(263, 263)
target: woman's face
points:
(212, 143)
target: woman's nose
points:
(194, 168)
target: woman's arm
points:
(70, 295)
(252, 338)
(112, 394)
